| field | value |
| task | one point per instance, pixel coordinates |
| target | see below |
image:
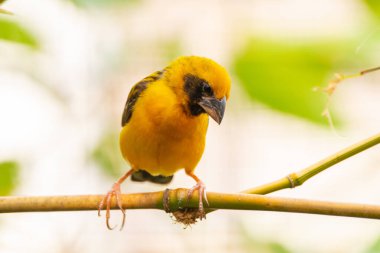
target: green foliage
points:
(282, 74)
(107, 155)
(14, 32)
(9, 171)
(375, 247)
(254, 245)
(374, 6)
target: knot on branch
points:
(293, 180)
(187, 216)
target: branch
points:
(178, 201)
(298, 178)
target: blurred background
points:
(66, 68)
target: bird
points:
(164, 124)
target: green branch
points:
(298, 178)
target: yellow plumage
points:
(161, 138)
(165, 119)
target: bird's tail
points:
(142, 176)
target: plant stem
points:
(178, 201)
(298, 178)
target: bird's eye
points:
(206, 88)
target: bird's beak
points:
(214, 107)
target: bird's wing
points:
(142, 176)
(135, 93)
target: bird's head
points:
(202, 85)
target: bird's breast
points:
(160, 137)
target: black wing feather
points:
(135, 93)
(142, 176)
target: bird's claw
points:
(201, 187)
(114, 192)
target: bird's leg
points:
(114, 192)
(201, 187)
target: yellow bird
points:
(165, 121)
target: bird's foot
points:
(201, 187)
(114, 192)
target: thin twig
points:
(178, 200)
(369, 70)
(298, 178)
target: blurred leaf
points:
(374, 6)
(374, 248)
(107, 155)
(2, 11)
(9, 171)
(282, 74)
(102, 3)
(12, 31)
(254, 245)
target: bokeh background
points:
(66, 68)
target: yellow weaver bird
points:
(165, 121)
